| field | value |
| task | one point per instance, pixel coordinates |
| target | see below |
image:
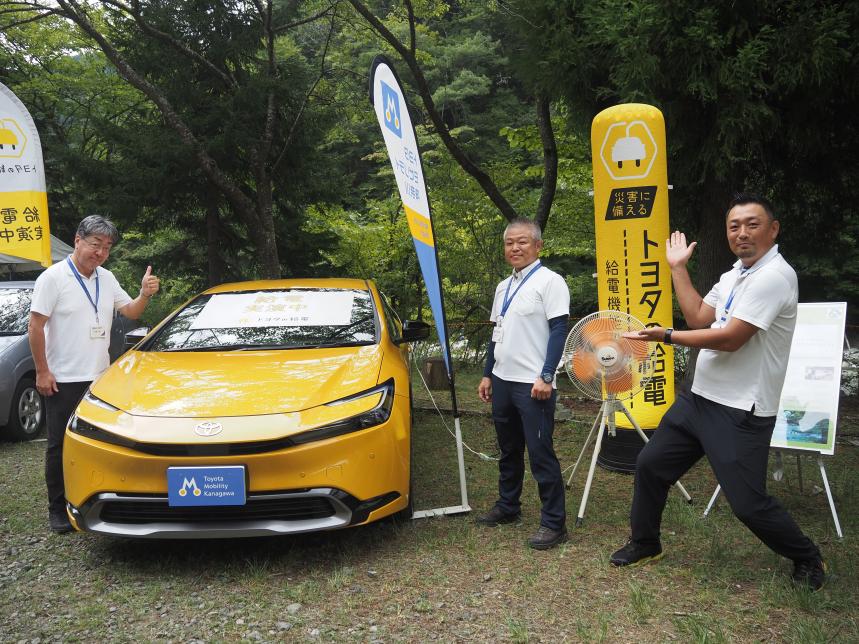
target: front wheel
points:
(27, 415)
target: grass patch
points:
(441, 579)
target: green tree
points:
(456, 78)
(229, 83)
(757, 94)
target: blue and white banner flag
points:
(388, 100)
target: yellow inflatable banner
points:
(631, 223)
(24, 226)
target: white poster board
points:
(808, 411)
(276, 308)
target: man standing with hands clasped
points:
(743, 328)
(530, 313)
(70, 320)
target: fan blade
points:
(598, 327)
(585, 366)
(620, 383)
(638, 349)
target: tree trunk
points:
(264, 236)
(213, 239)
(714, 254)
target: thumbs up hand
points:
(150, 283)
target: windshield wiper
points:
(190, 349)
(262, 347)
(335, 345)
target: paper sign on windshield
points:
(276, 308)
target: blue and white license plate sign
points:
(191, 486)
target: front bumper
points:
(324, 485)
(289, 512)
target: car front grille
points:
(264, 514)
(275, 509)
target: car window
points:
(14, 310)
(392, 320)
(271, 319)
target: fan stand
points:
(605, 417)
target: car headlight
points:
(78, 425)
(376, 416)
(98, 402)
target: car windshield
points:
(14, 310)
(273, 319)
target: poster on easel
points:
(808, 413)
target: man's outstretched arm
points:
(698, 314)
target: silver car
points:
(22, 408)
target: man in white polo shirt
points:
(70, 319)
(743, 328)
(530, 313)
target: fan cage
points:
(600, 362)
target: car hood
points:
(236, 383)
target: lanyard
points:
(743, 272)
(86, 290)
(509, 298)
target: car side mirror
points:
(414, 330)
(135, 335)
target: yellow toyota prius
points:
(257, 408)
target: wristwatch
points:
(667, 338)
(548, 378)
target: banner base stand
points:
(441, 512)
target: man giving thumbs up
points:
(70, 319)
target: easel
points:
(834, 315)
(605, 418)
(778, 474)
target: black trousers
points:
(736, 443)
(58, 408)
(522, 421)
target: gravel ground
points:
(432, 580)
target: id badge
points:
(497, 334)
(97, 332)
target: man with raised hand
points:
(530, 311)
(70, 319)
(743, 328)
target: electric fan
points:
(600, 361)
(604, 365)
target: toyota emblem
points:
(208, 429)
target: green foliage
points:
(173, 258)
(757, 94)
(760, 94)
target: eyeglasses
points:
(97, 246)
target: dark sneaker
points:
(635, 554)
(60, 522)
(546, 538)
(497, 516)
(809, 573)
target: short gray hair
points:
(524, 222)
(97, 225)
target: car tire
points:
(27, 413)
